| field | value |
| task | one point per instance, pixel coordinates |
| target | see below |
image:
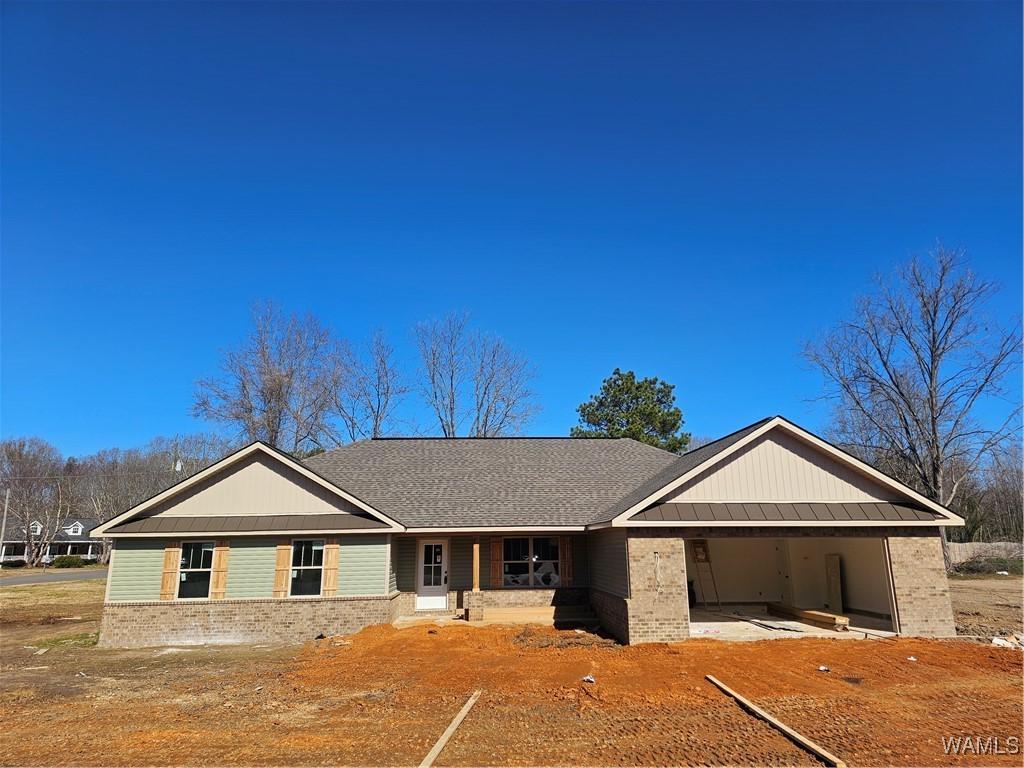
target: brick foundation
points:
(921, 587)
(142, 624)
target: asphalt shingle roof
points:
(513, 482)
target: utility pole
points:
(3, 526)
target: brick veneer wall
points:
(141, 624)
(657, 606)
(920, 584)
(613, 613)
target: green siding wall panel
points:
(362, 565)
(405, 549)
(251, 564)
(460, 562)
(136, 570)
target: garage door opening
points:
(750, 588)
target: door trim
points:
(425, 602)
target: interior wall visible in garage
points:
(755, 570)
(746, 570)
(863, 567)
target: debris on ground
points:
(823, 668)
(588, 679)
(1004, 642)
(40, 652)
(911, 658)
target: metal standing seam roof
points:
(249, 524)
(754, 512)
(491, 482)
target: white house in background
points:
(72, 539)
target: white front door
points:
(432, 575)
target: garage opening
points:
(752, 588)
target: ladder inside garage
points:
(705, 572)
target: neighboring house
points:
(261, 546)
(72, 539)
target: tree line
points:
(907, 373)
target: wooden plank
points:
(449, 731)
(565, 560)
(283, 568)
(778, 725)
(169, 579)
(219, 572)
(821, 619)
(332, 553)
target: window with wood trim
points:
(307, 567)
(194, 570)
(530, 561)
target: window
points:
(307, 566)
(530, 561)
(195, 568)
(74, 530)
(36, 529)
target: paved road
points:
(54, 575)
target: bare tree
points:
(280, 386)
(502, 400)
(472, 377)
(371, 390)
(908, 370)
(41, 492)
(442, 345)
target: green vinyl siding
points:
(251, 565)
(136, 570)
(405, 570)
(362, 565)
(393, 568)
(460, 562)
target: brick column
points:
(657, 605)
(920, 585)
(473, 602)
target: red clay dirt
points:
(385, 695)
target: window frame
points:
(532, 562)
(35, 528)
(181, 554)
(323, 550)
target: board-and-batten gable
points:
(779, 467)
(255, 485)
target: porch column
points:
(476, 564)
(474, 600)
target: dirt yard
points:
(987, 606)
(384, 696)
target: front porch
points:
(505, 577)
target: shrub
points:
(14, 564)
(989, 565)
(67, 561)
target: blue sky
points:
(687, 190)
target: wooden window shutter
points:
(332, 552)
(219, 573)
(496, 556)
(565, 560)
(283, 568)
(172, 562)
